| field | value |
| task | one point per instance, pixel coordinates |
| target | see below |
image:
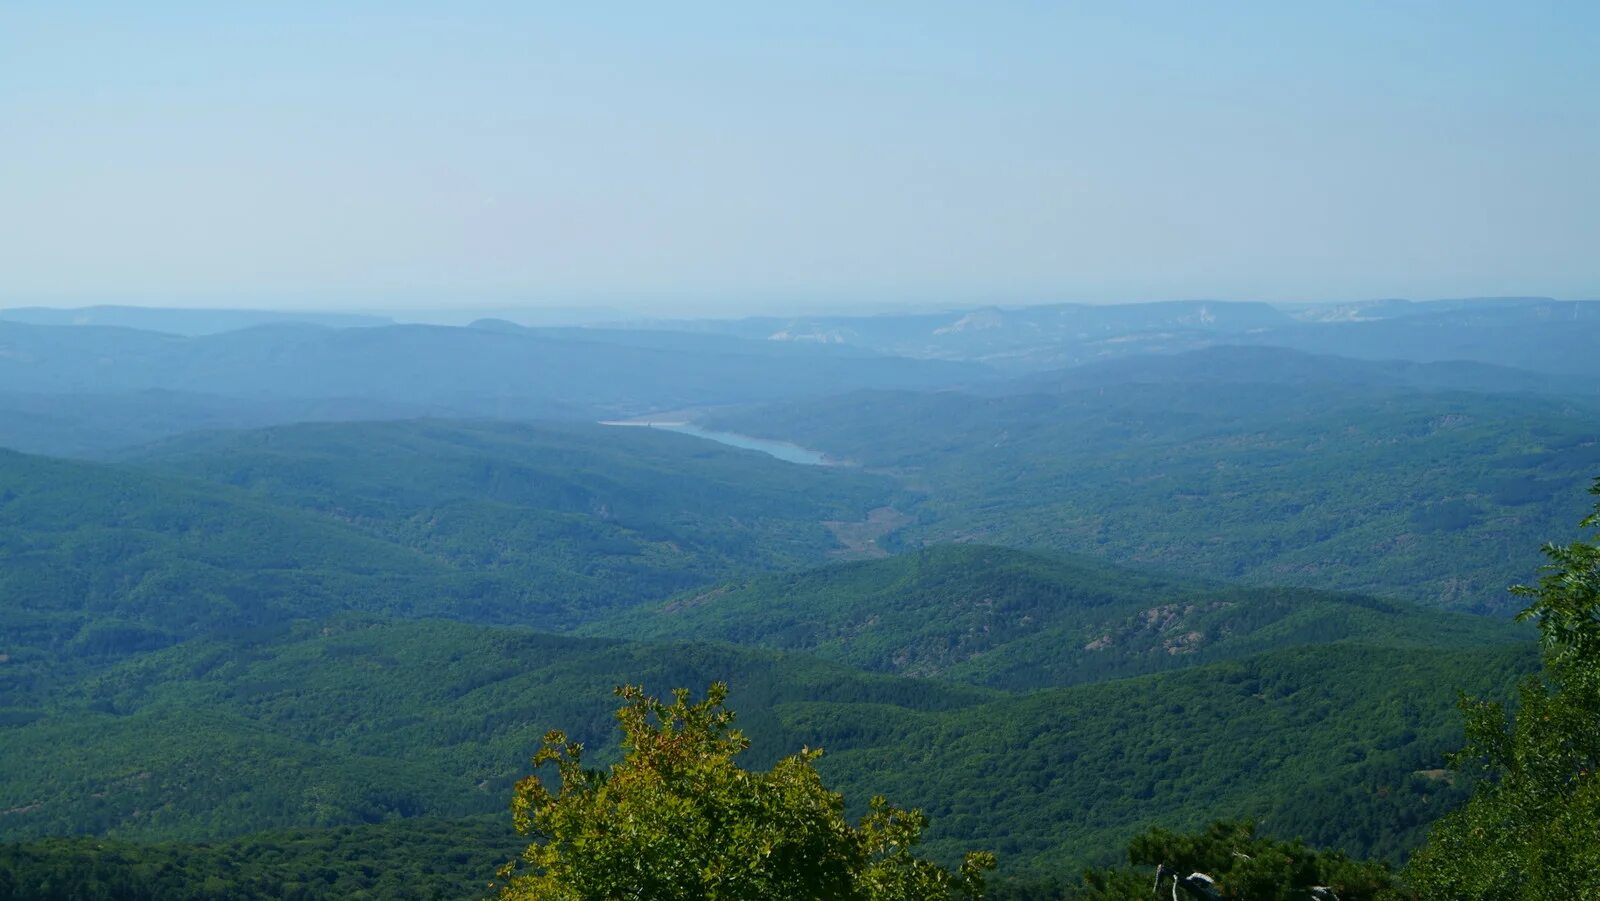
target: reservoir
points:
(783, 450)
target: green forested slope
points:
(291, 627)
(100, 563)
(589, 499)
(1022, 620)
(492, 523)
(1330, 743)
(360, 720)
(1439, 497)
(420, 859)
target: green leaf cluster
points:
(677, 819)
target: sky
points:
(760, 156)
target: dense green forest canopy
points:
(362, 720)
(594, 516)
(310, 659)
(474, 485)
(1021, 620)
(416, 859)
(511, 523)
(1441, 498)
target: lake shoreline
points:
(782, 450)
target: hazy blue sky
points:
(351, 154)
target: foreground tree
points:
(1243, 866)
(1532, 828)
(677, 818)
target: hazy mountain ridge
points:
(1060, 335)
(1015, 338)
(1264, 364)
(1557, 338)
(88, 388)
(184, 321)
(471, 372)
(98, 426)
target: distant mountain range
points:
(1262, 364)
(76, 388)
(179, 321)
(1534, 333)
(1538, 334)
(1018, 338)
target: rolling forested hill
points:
(1158, 590)
(362, 720)
(190, 684)
(359, 720)
(586, 504)
(102, 562)
(1341, 745)
(482, 523)
(1017, 620)
(1439, 497)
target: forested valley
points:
(1073, 597)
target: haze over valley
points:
(366, 587)
(839, 452)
